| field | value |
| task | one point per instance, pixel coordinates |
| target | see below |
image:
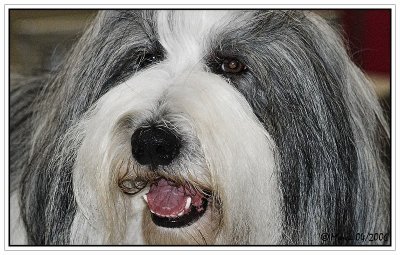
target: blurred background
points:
(39, 40)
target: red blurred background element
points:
(369, 35)
(368, 32)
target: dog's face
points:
(172, 141)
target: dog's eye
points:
(148, 59)
(233, 66)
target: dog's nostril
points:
(155, 145)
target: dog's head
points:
(184, 127)
(173, 129)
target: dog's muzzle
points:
(171, 204)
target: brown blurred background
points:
(39, 39)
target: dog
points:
(200, 127)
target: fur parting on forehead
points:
(189, 32)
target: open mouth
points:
(175, 206)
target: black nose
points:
(155, 145)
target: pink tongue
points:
(166, 199)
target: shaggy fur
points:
(289, 147)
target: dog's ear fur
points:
(325, 120)
(23, 95)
